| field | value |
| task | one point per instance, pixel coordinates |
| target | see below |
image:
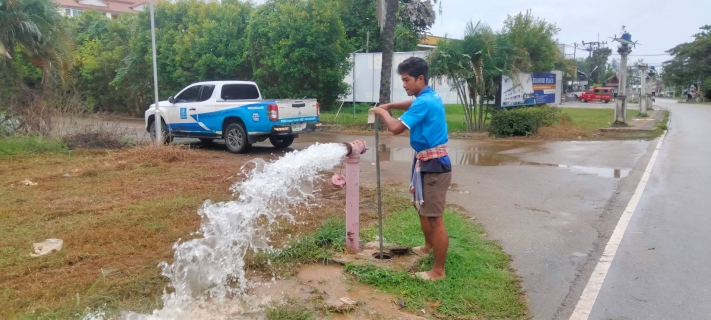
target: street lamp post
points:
(156, 112)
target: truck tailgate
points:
(289, 109)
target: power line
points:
(646, 55)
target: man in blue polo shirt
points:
(431, 168)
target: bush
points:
(523, 121)
(707, 88)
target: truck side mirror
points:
(171, 100)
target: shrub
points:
(523, 121)
(707, 88)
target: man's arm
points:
(397, 105)
(394, 125)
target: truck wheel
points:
(206, 140)
(167, 137)
(583, 100)
(281, 142)
(236, 139)
(605, 101)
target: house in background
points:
(429, 43)
(613, 82)
(110, 8)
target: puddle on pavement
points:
(466, 152)
(495, 155)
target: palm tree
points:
(37, 29)
(474, 67)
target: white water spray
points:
(212, 267)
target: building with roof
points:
(110, 8)
(429, 43)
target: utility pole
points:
(624, 50)
(643, 89)
(591, 47)
(576, 82)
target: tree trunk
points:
(388, 46)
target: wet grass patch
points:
(30, 144)
(479, 283)
(289, 310)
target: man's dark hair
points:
(415, 67)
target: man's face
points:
(412, 85)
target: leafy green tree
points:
(298, 48)
(359, 18)
(691, 62)
(100, 48)
(535, 40)
(195, 40)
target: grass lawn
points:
(593, 119)
(454, 114)
(583, 124)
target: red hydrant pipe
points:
(352, 185)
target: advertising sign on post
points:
(528, 89)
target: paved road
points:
(662, 269)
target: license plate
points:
(298, 127)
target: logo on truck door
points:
(255, 117)
(183, 113)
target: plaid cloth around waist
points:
(416, 179)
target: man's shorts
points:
(434, 192)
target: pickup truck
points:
(233, 111)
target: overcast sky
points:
(658, 25)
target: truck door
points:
(183, 110)
(206, 104)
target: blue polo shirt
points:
(428, 128)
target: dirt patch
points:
(93, 140)
(326, 289)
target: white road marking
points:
(592, 289)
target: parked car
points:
(604, 94)
(234, 111)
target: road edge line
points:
(592, 288)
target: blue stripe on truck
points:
(248, 113)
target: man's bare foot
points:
(430, 275)
(421, 251)
(434, 275)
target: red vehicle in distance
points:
(604, 94)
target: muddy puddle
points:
(326, 289)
